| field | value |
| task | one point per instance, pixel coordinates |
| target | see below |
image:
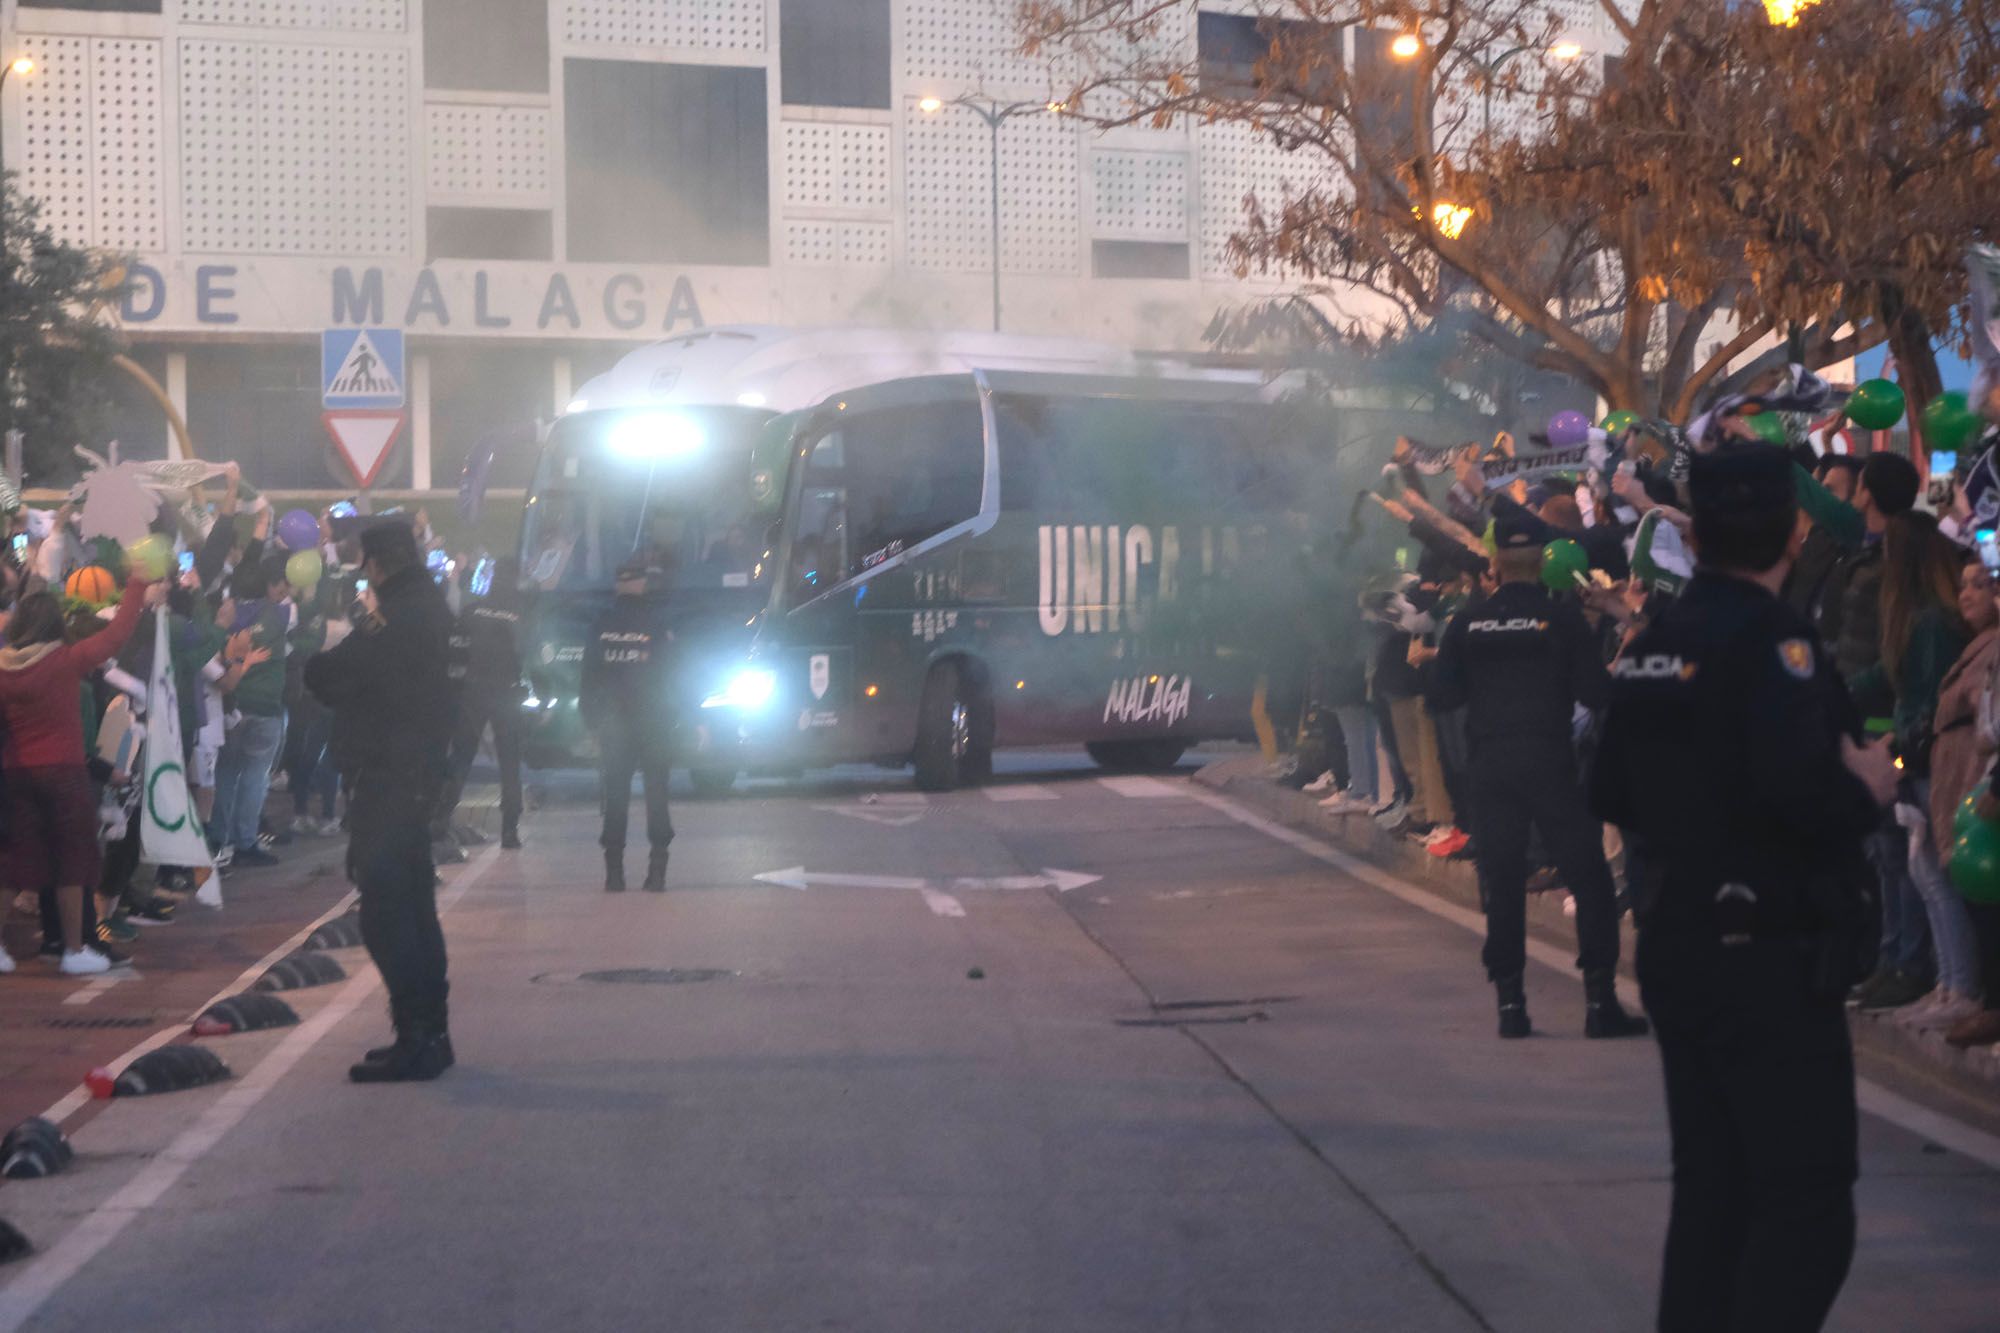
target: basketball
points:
(93, 586)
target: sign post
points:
(363, 389)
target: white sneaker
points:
(6, 962)
(1945, 1013)
(1342, 803)
(329, 827)
(1320, 785)
(83, 963)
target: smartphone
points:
(482, 577)
(20, 546)
(1988, 542)
(187, 563)
(1944, 462)
(360, 586)
(342, 509)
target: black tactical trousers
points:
(1760, 1103)
(623, 751)
(476, 713)
(389, 858)
(1511, 794)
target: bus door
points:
(886, 487)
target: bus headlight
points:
(749, 689)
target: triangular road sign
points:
(364, 440)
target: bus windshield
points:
(671, 485)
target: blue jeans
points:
(1357, 727)
(243, 776)
(1950, 924)
(1906, 936)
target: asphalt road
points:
(1068, 1053)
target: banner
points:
(1503, 472)
(170, 832)
(1660, 559)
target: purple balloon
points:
(1567, 429)
(298, 531)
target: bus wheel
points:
(954, 731)
(1136, 756)
(713, 782)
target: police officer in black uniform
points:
(1730, 760)
(1521, 661)
(389, 686)
(487, 669)
(628, 702)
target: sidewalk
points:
(1962, 1084)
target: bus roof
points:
(787, 370)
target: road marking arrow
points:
(889, 818)
(937, 894)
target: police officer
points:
(487, 668)
(389, 686)
(1729, 761)
(1521, 662)
(627, 702)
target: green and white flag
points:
(170, 832)
(1660, 560)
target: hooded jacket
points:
(39, 688)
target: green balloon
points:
(1620, 421)
(150, 557)
(1562, 561)
(1489, 540)
(304, 569)
(1949, 423)
(1768, 426)
(1967, 814)
(1975, 863)
(1876, 405)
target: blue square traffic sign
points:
(361, 368)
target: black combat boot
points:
(420, 1054)
(656, 871)
(1603, 1016)
(510, 835)
(1513, 1006)
(381, 1053)
(614, 871)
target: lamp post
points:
(995, 114)
(9, 384)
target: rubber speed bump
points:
(299, 971)
(13, 1245)
(343, 932)
(170, 1069)
(248, 1012)
(32, 1149)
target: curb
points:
(1964, 1085)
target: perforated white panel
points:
(1236, 162)
(126, 144)
(973, 45)
(947, 166)
(865, 244)
(55, 111)
(337, 15)
(295, 149)
(812, 242)
(488, 150)
(831, 167)
(1139, 196)
(729, 25)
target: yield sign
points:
(364, 440)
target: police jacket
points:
(486, 653)
(628, 668)
(1720, 761)
(1520, 661)
(389, 684)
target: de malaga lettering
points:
(362, 299)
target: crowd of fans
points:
(77, 647)
(1899, 579)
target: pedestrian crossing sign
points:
(361, 368)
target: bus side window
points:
(912, 472)
(819, 532)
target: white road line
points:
(1144, 788)
(96, 988)
(1875, 1099)
(1019, 791)
(46, 1273)
(79, 1097)
(943, 904)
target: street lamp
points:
(1785, 13)
(995, 114)
(1450, 219)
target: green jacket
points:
(1936, 640)
(261, 693)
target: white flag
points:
(170, 833)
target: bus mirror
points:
(773, 533)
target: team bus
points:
(912, 548)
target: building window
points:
(1385, 93)
(490, 233)
(834, 53)
(1139, 259)
(487, 45)
(1231, 45)
(668, 164)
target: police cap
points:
(636, 567)
(389, 542)
(1743, 481)
(1518, 529)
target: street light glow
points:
(1406, 46)
(1566, 50)
(1785, 13)
(1450, 219)
(930, 106)
(23, 66)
